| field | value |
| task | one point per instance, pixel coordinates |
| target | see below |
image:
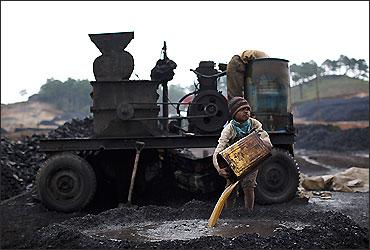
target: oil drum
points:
(267, 90)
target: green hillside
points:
(329, 86)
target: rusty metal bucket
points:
(244, 156)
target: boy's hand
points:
(224, 173)
(268, 145)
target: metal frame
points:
(158, 142)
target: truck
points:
(137, 144)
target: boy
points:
(240, 126)
(236, 71)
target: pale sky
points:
(41, 40)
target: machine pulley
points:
(212, 105)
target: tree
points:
(363, 69)
(304, 72)
(329, 67)
(69, 96)
(344, 63)
(351, 67)
(295, 73)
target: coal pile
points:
(77, 128)
(20, 160)
(19, 164)
(329, 137)
(335, 109)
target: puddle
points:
(190, 229)
(329, 168)
(332, 204)
(361, 154)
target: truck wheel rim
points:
(65, 185)
(275, 177)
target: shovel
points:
(139, 146)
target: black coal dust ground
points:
(340, 222)
(291, 225)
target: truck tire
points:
(66, 182)
(277, 179)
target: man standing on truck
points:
(236, 71)
(240, 126)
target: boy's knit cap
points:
(237, 103)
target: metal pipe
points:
(165, 107)
(215, 75)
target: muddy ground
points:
(339, 222)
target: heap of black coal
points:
(20, 160)
(75, 129)
(329, 137)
